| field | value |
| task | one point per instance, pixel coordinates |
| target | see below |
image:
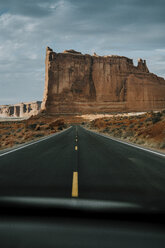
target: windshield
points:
(82, 164)
(82, 102)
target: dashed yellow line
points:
(75, 184)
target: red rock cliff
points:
(77, 83)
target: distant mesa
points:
(82, 84)
(22, 110)
(77, 83)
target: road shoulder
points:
(34, 141)
(142, 147)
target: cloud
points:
(36, 8)
(133, 28)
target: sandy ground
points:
(13, 133)
(91, 117)
(12, 119)
(140, 128)
(147, 129)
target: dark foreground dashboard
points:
(53, 226)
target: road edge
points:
(126, 143)
(26, 144)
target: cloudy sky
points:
(133, 28)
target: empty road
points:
(80, 163)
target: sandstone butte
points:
(20, 110)
(77, 83)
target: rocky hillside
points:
(14, 133)
(147, 129)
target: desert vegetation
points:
(147, 129)
(13, 133)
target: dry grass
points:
(146, 129)
(17, 132)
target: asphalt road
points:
(83, 164)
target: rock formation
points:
(20, 109)
(77, 83)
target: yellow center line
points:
(76, 148)
(75, 184)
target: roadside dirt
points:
(147, 129)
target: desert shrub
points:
(60, 128)
(162, 145)
(129, 134)
(19, 136)
(118, 124)
(16, 142)
(125, 135)
(159, 114)
(19, 130)
(156, 115)
(6, 128)
(39, 135)
(113, 130)
(156, 119)
(140, 124)
(7, 133)
(41, 123)
(140, 142)
(106, 130)
(118, 133)
(132, 125)
(6, 143)
(45, 127)
(32, 126)
(117, 129)
(123, 126)
(148, 119)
